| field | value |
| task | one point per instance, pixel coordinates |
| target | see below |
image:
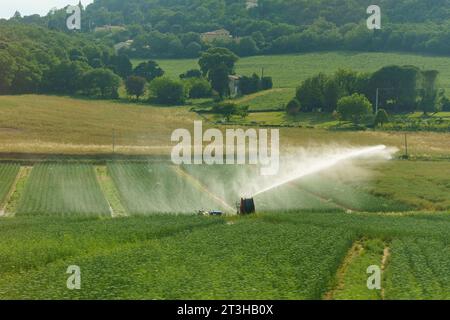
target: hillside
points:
(162, 28)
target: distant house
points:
(123, 45)
(251, 4)
(109, 28)
(220, 34)
(233, 85)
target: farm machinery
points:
(244, 207)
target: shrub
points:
(167, 91)
(381, 118)
(135, 86)
(199, 88)
(293, 107)
(101, 82)
(354, 108)
(266, 83)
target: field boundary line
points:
(354, 251)
(384, 264)
(109, 191)
(202, 187)
(4, 206)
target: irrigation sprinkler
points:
(247, 206)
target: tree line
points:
(171, 29)
(394, 89)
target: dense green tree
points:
(148, 70)
(199, 88)
(66, 77)
(193, 73)
(311, 93)
(193, 50)
(7, 71)
(293, 107)
(429, 91)
(445, 103)
(121, 65)
(167, 91)
(381, 118)
(215, 58)
(219, 78)
(248, 85)
(135, 86)
(397, 87)
(101, 82)
(266, 83)
(354, 108)
(227, 109)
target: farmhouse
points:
(123, 45)
(233, 85)
(220, 34)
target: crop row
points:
(158, 188)
(419, 269)
(247, 259)
(8, 173)
(62, 189)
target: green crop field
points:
(158, 188)
(63, 189)
(283, 256)
(8, 174)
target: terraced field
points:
(63, 189)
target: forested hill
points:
(172, 28)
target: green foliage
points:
(311, 93)
(354, 108)
(199, 88)
(249, 85)
(193, 73)
(8, 173)
(293, 107)
(157, 188)
(429, 94)
(445, 102)
(217, 64)
(63, 190)
(167, 91)
(229, 109)
(398, 91)
(101, 82)
(121, 65)
(148, 70)
(135, 86)
(271, 28)
(36, 60)
(419, 269)
(266, 83)
(381, 117)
